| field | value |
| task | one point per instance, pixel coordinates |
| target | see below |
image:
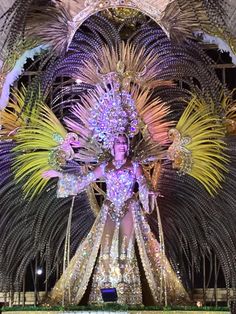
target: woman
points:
(108, 252)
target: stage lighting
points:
(39, 271)
(109, 294)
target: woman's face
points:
(120, 145)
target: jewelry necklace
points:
(118, 163)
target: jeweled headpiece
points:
(114, 113)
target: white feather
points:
(15, 72)
(222, 45)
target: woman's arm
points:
(52, 174)
(70, 184)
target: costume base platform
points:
(119, 312)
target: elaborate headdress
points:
(114, 112)
(121, 100)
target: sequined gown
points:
(107, 256)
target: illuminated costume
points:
(113, 256)
(126, 77)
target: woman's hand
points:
(51, 174)
(155, 193)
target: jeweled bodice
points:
(120, 185)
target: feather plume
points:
(125, 63)
(154, 114)
(31, 233)
(51, 26)
(205, 146)
(12, 118)
(42, 132)
(14, 72)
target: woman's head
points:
(120, 146)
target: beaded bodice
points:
(120, 185)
